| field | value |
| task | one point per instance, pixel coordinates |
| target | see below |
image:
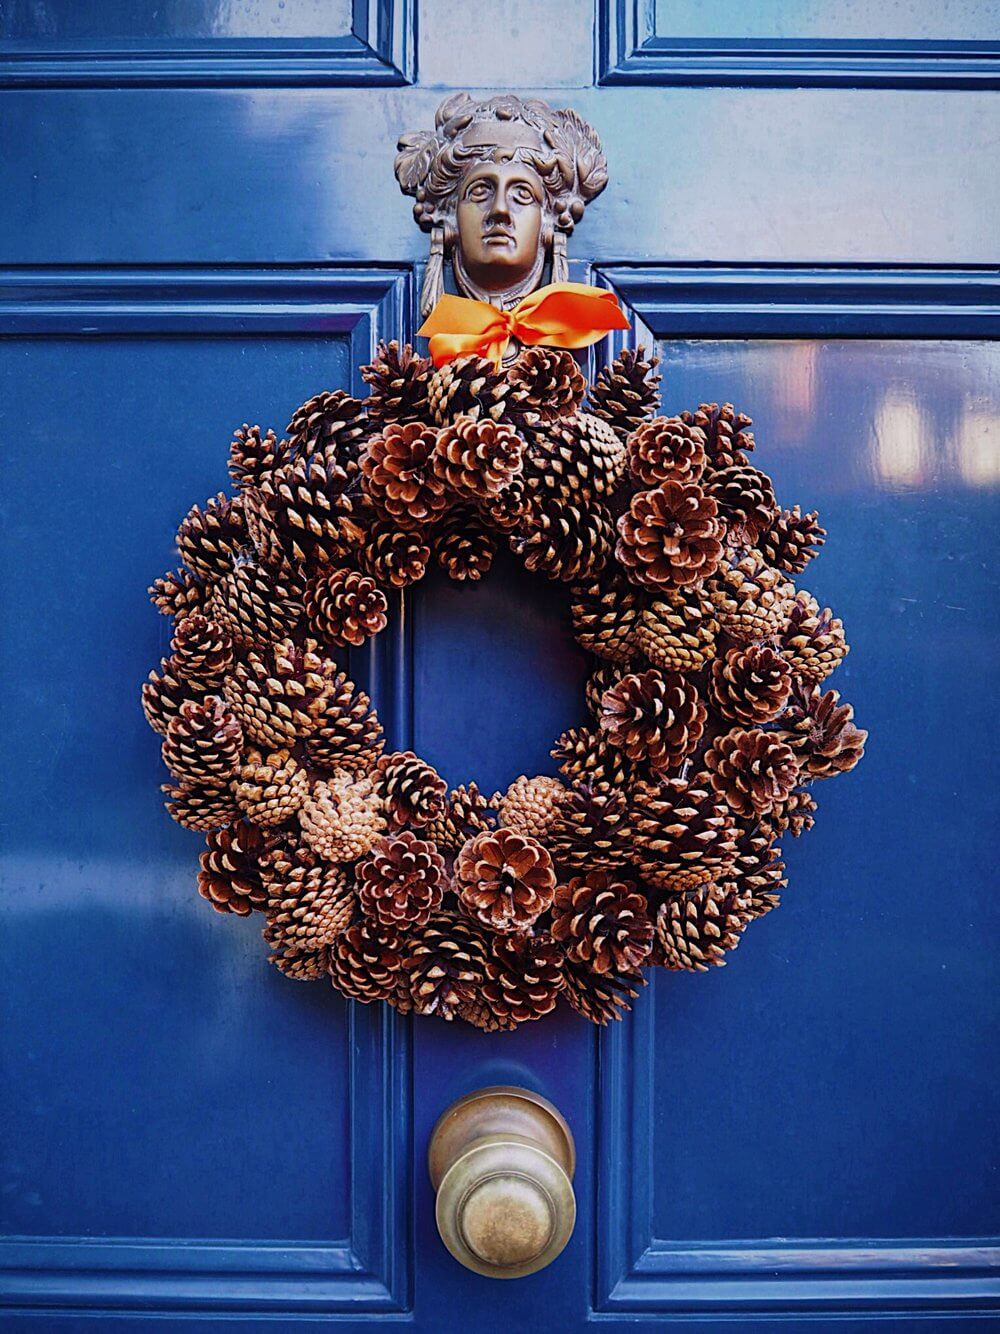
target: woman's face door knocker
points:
(500, 226)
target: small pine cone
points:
(203, 808)
(271, 787)
(504, 880)
(332, 422)
(255, 605)
(656, 717)
(209, 539)
(467, 387)
(625, 393)
(255, 458)
(462, 546)
(309, 514)
(164, 692)
(230, 878)
(573, 459)
(605, 619)
(413, 792)
(759, 870)
(793, 816)
(566, 543)
(812, 640)
(302, 965)
(698, 927)
(202, 650)
(342, 817)
(728, 438)
(400, 480)
(666, 449)
(280, 695)
(400, 881)
(203, 743)
(602, 922)
(745, 498)
(683, 834)
(545, 382)
(366, 961)
(583, 754)
(822, 733)
(393, 556)
(670, 536)
(349, 735)
(178, 593)
(604, 676)
(467, 812)
(677, 631)
(477, 459)
(446, 965)
(345, 607)
(792, 540)
(309, 903)
(591, 831)
(751, 600)
(508, 511)
(398, 381)
(480, 1014)
(524, 976)
(600, 997)
(531, 805)
(751, 684)
(753, 771)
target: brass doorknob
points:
(502, 1161)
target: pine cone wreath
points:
(203, 743)
(349, 735)
(545, 383)
(822, 733)
(566, 543)
(462, 546)
(178, 593)
(413, 792)
(398, 380)
(504, 880)
(200, 806)
(342, 817)
(400, 881)
(751, 600)
(751, 684)
(254, 605)
(202, 650)
(625, 393)
(601, 921)
(345, 607)
(209, 539)
(685, 836)
(670, 536)
(752, 770)
(333, 423)
(476, 458)
(446, 965)
(230, 876)
(656, 717)
(666, 449)
(746, 503)
(394, 557)
(399, 476)
(605, 619)
(310, 903)
(600, 997)
(590, 829)
(467, 812)
(583, 753)
(530, 806)
(271, 787)
(697, 928)
(255, 458)
(467, 387)
(524, 976)
(677, 631)
(792, 540)
(812, 640)
(728, 438)
(164, 692)
(279, 695)
(366, 961)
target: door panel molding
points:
(629, 51)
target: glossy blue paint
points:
(803, 1137)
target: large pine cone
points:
(307, 513)
(202, 650)
(655, 717)
(752, 770)
(792, 540)
(230, 876)
(349, 735)
(812, 640)
(394, 557)
(751, 684)
(398, 381)
(600, 997)
(466, 812)
(477, 459)
(746, 502)
(677, 631)
(504, 880)
(683, 834)
(605, 619)
(822, 733)
(345, 607)
(446, 965)
(462, 546)
(696, 929)
(602, 922)
(400, 480)
(255, 458)
(164, 692)
(573, 459)
(271, 787)
(255, 605)
(590, 830)
(670, 536)
(309, 901)
(625, 393)
(280, 694)
(333, 422)
(342, 818)
(366, 961)
(583, 754)
(751, 600)
(203, 743)
(400, 881)
(198, 806)
(467, 387)
(209, 539)
(414, 793)
(524, 975)
(530, 805)
(178, 593)
(545, 383)
(728, 438)
(566, 542)
(666, 449)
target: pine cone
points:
(600, 997)
(684, 836)
(230, 876)
(311, 514)
(366, 961)
(670, 536)
(463, 548)
(677, 631)
(466, 812)
(398, 380)
(697, 928)
(480, 1014)
(573, 459)
(605, 619)
(591, 829)
(400, 480)
(792, 540)
(728, 438)
(751, 684)
(654, 717)
(524, 975)
(271, 787)
(544, 383)
(255, 458)
(413, 792)
(164, 692)
(342, 817)
(446, 965)
(203, 743)
(566, 543)
(583, 753)
(349, 735)
(333, 423)
(178, 593)
(812, 640)
(602, 922)
(208, 539)
(604, 676)
(280, 695)
(821, 732)
(508, 511)
(530, 805)
(752, 770)
(759, 872)
(345, 607)
(202, 650)
(393, 556)
(254, 605)
(202, 808)
(400, 881)
(792, 816)
(745, 498)
(666, 449)
(302, 965)
(751, 600)
(625, 393)
(504, 880)
(477, 459)
(309, 902)
(467, 387)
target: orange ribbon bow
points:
(560, 315)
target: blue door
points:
(199, 226)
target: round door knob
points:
(502, 1162)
